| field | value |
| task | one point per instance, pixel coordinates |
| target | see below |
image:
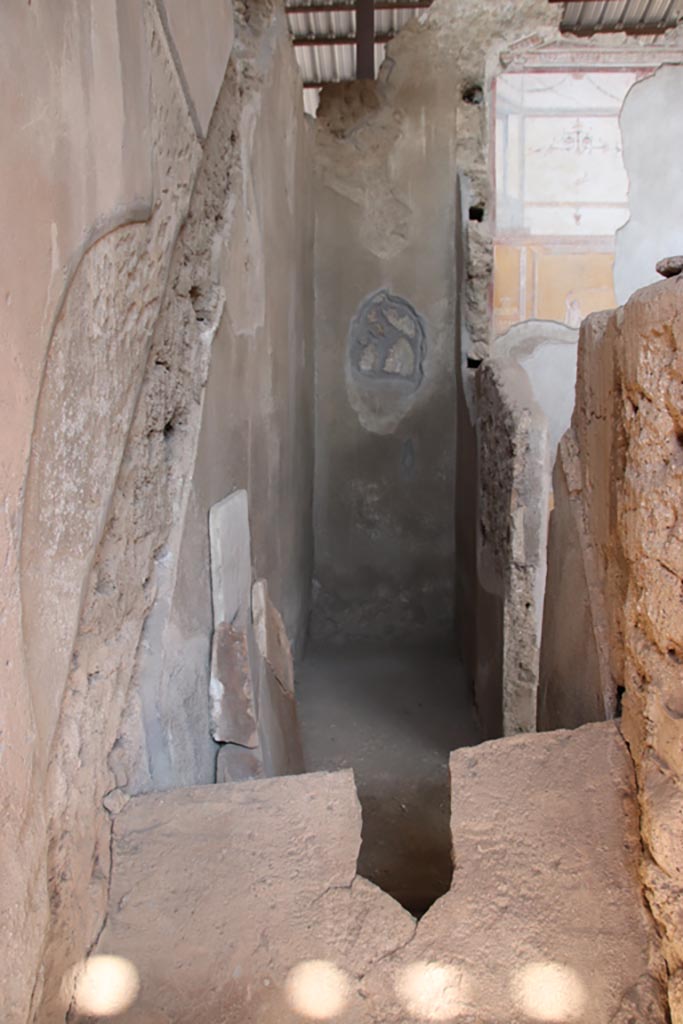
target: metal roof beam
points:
(365, 38)
(336, 40)
(381, 5)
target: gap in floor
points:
(392, 714)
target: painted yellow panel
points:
(506, 287)
(569, 286)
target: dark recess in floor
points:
(393, 715)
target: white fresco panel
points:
(580, 221)
(574, 158)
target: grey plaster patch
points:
(386, 350)
(387, 342)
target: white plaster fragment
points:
(231, 559)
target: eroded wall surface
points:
(512, 452)
(525, 392)
(624, 483)
(140, 175)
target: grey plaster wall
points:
(652, 132)
(387, 159)
(256, 421)
(384, 490)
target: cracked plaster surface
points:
(256, 880)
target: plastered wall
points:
(652, 132)
(387, 157)
(141, 305)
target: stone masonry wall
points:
(624, 470)
(132, 220)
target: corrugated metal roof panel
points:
(321, 62)
(642, 16)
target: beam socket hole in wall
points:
(473, 94)
(477, 213)
(196, 298)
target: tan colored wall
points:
(125, 208)
(624, 487)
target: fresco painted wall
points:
(561, 192)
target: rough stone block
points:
(242, 903)
(233, 902)
(233, 714)
(546, 847)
